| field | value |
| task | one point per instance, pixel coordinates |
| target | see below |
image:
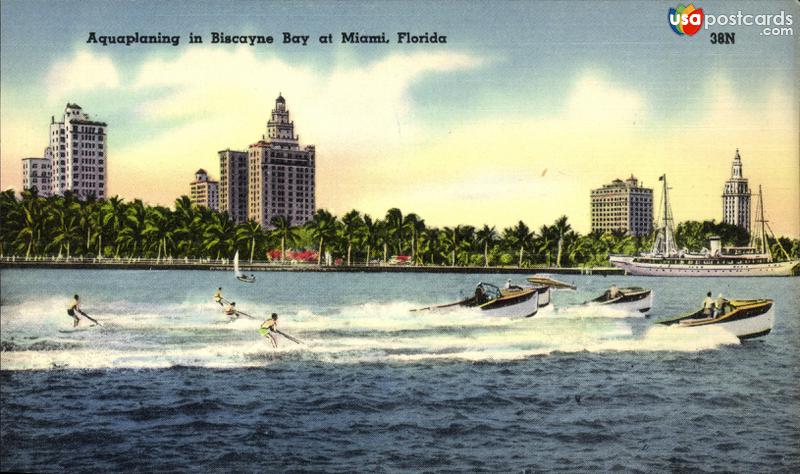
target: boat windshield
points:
(490, 291)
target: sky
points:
(525, 108)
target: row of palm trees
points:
(66, 226)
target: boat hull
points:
(523, 309)
(747, 322)
(633, 267)
(638, 302)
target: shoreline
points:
(111, 264)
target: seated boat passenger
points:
(480, 295)
(720, 306)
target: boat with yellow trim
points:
(746, 319)
(492, 301)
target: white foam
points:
(197, 334)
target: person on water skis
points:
(230, 310)
(218, 296)
(268, 327)
(74, 307)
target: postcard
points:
(401, 236)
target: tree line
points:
(64, 226)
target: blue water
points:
(167, 384)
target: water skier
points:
(218, 296)
(230, 310)
(74, 307)
(268, 327)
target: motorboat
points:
(746, 319)
(547, 280)
(632, 300)
(543, 290)
(492, 301)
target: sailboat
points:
(239, 275)
(664, 259)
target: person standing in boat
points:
(708, 305)
(73, 308)
(268, 327)
(613, 292)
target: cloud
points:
(83, 72)
(209, 99)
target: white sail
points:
(236, 265)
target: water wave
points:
(196, 333)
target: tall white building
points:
(736, 197)
(204, 191)
(623, 205)
(78, 150)
(36, 174)
(233, 184)
(281, 174)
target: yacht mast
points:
(666, 221)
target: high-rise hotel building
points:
(281, 175)
(623, 205)
(78, 148)
(203, 191)
(36, 174)
(736, 197)
(233, 184)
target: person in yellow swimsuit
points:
(268, 327)
(230, 310)
(218, 296)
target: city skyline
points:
(488, 128)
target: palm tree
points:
(351, 225)
(132, 235)
(250, 231)
(416, 225)
(432, 244)
(369, 234)
(158, 229)
(32, 220)
(188, 225)
(519, 236)
(114, 218)
(219, 235)
(561, 227)
(66, 229)
(283, 228)
(449, 239)
(394, 227)
(11, 212)
(322, 227)
(544, 242)
(486, 237)
(466, 240)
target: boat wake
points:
(39, 335)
